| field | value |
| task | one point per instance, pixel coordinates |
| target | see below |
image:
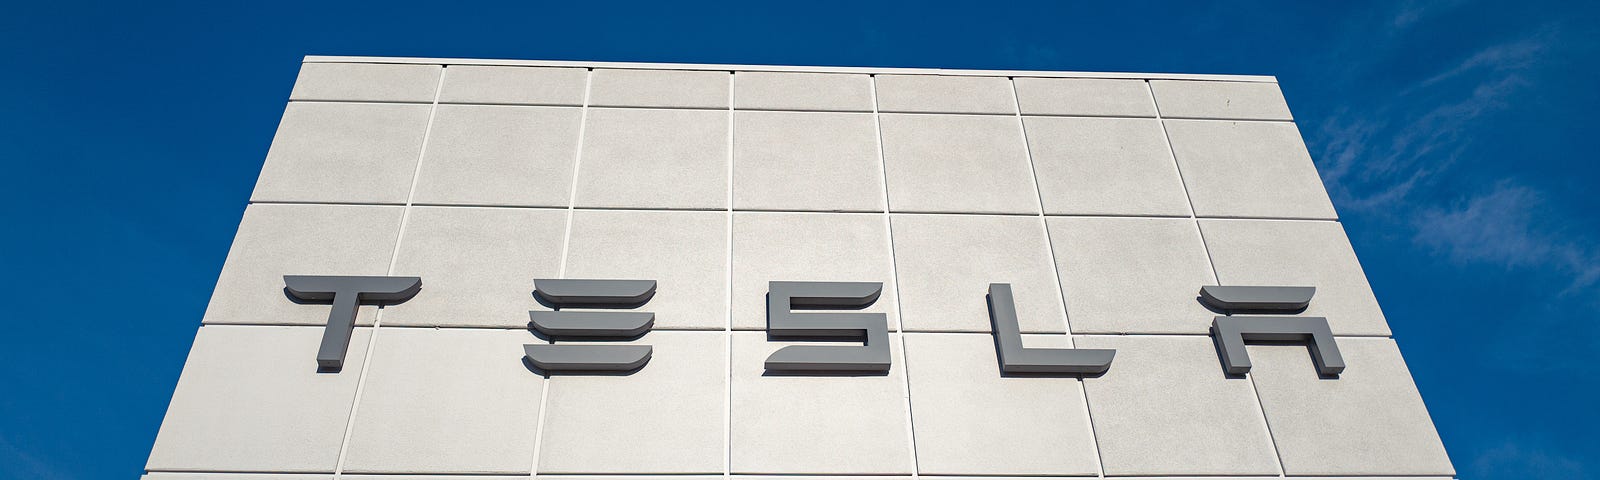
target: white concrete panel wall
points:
(1106, 200)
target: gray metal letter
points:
(1233, 332)
(871, 327)
(578, 325)
(1274, 299)
(595, 292)
(345, 293)
(1014, 358)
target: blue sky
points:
(1455, 137)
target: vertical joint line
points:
(1182, 182)
(577, 163)
(727, 305)
(1050, 247)
(894, 279)
(561, 272)
(1055, 270)
(394, 258)
(1216, 278)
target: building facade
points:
(1078, 213)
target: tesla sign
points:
(610, 311)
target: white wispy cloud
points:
(1412, 11)
(1376, 161)
(1373, 160)
(1500, 227)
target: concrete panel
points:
(1084, 96)
(513, 85)
(251, 399)
(659, 88)
(1228, 100)
(684, 252)
(807, 247)
(1298, 253)
(366, 82)
(477, 264)
(816, 423)
(945, 264)
(499, 155)
(1368, 421)
(1105, 166)
(1166, 408)
(1132, 275)
(638, 158)
(666, 417)
(446, 401)
(955, 163)
(806, 161)
(278, 240)
(343, 153)
(1248, 169)
(971, 420)
(802, 91)
(939, 94)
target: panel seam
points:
(727, 305)
(1216, 278)
(394, 259)
(894, 279)
(1055, 270)
(561, 269)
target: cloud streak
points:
(1500, 228)
(1390, 163)
(1373, 161)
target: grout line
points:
(781, 210)
(1215, 278)
(394, 259)
(659, 107)
(789, 110)
(1184, 184)
(577, 165)
(1267, 219)
(658, 209)
(1055, 270)
(894, 280)
(561, 270)
(1223, 119)
(975, 214)
(1114, 215)
(328, 203)
(802, 110)
(558, 208)
(510, 104)
(809, 212)
(362, 102)
(727, 333)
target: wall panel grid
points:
(1105, 203)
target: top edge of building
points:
(789, 68)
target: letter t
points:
(346, 293)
